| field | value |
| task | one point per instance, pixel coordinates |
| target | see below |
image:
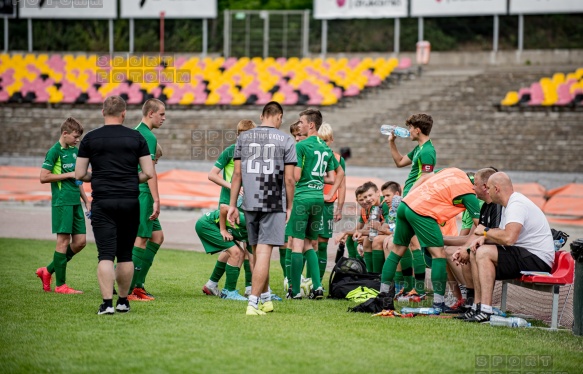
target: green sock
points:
(419, 270)
(248, 274)
(378, 260)
(312, 261)
(351, 247)
(368, 261)
(297, 262)
(147, 260)
(390, 267)
(69, 254)
(288, 253)
(322, 258)
(308, 270)
(137, 258)
(282, 251)
(439, 275)
(398, 279)
(406, 267)
(218, 271)
(232, 276)
(60, 264)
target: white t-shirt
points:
(535, 235)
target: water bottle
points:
(374, 217)
(498, 312)
(393, 212)
(508, 322)
(239, 201)
(559, 244)
(427, 311)
(398, 131)
(78, 182)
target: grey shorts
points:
(265, 228)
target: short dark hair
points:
(313, 115)
(422, 121)
(391, 186)
(152, 105)
(272, 108)
(114, 106)
(294, 127)
(71, 125)
(368, 185)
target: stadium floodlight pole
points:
(396, 45)
(520, 32)
(162, 14)
(306, 33)
(131, 35)
(226, 33)
(29, 23)
(420, 29)
(324, 37)
(496, 31)
(6, 34)
(204, 37)
(111, 36)
(265, 16)
(248, 35)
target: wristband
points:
(468, 250)
(486, 231)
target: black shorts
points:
(512, 260)
(115, 226)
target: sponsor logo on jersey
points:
(427, 168)
(315, 186)
(69, 166)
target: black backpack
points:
(348, 274)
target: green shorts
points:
(410, 224)
(68, 219)
(210, 236)
(147, 226)
(305, 218)
(327, 222)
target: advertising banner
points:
(346, 9)
(545, 6)
(445, 8)
(65, 9)
(171, 8)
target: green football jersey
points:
(423, 159)
(226, 163)
(239, 231)
(143, 129)
(60, 160)
(315, 158)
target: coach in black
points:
(114, 152)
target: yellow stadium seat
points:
(279, 97)
(187, 99)
(212, 99)
(510, 99)
(239, 99)
(579, 73)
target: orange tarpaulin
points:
(534, 191)
(565, 204)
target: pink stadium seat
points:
(200, 99)
(352, 90)
(56, 63)
(290, 98)
(337, 91)
(250, 68)
(229, 62)
(404, 63)
(281, 61)
(536, 94)
(565, 97)
(180, 61)
(3, 96)
(353, 62)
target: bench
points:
(562, 274)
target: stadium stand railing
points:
(89, 79)
(560, 91)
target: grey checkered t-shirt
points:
(264, 151)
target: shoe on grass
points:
(251, 311)
(64, 289)
(45, 277)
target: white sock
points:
(474, 307)
(265, 297)
(253, 301)
(438, 299)
(486, 308)
(385, 287)
(211, 284)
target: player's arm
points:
(341, 200)
(81, 170)
(47, 177)
(399, 159)
(216, 177)
(233, 215)
(290, 186)
(329, 177)
(153, 185)
(147, 166)
(337, 182)
(224, 210)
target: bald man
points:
(523, 242)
